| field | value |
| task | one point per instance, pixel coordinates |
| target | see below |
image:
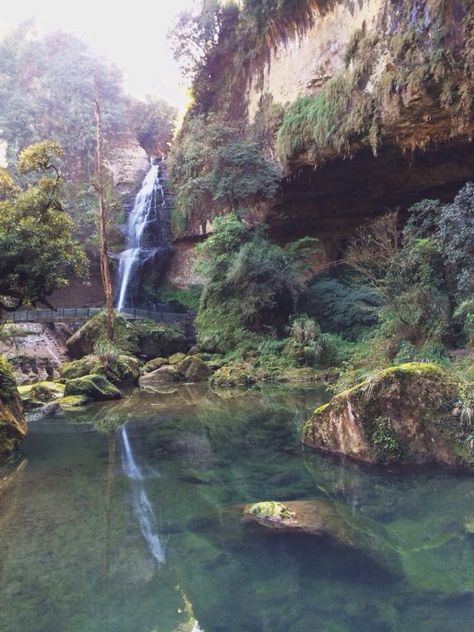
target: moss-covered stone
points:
(176, 358)
(82, 342)
(164, 375)
(193, 369)
(153, 365)
(35, 396)
(235, 374)
(93, 388)
(404, 414)
(13, 426)
(271, 511)
(121, 370)
(72, 403)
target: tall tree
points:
(103, 249)
(38, 253)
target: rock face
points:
(13, 426)
(193, 369)
(405, 414)
(34, 351)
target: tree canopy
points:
(38, 253)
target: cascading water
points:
(141, 503)
(149, 207)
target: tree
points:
(153, 123)
(103, 250)
(37, 251)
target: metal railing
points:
(84, 313)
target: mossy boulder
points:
(193, 369)
(235, 374)
(164, 375)
(82, 342)
(93, 388)
(35, 396)
(13, 426)
(150, 340)
(121, 370)
(176, 358)
(404, 414)
(153, 365)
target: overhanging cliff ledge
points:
(365, 106)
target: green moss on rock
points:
(13, 426)
(72, 403)
(193, 369)
(37, 395)
(154, 364)
(121, 370)
(93, 388)
(405, 413)
(176, 358)
(235, 374)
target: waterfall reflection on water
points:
(141, 503)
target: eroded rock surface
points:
(405, 414)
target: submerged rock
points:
(403, 414)
(13, 426)
(92, 387)
(324, 518)
(193, 369)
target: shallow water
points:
(95, 536)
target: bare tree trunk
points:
(103, 250)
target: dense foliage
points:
(37, 251)
(213, 169)
(252, 285)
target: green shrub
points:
(251, 286)
(341, 304)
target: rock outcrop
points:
(35, 351)
(13, 426)
(404, 414)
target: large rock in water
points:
(121, 370)
(93, 388)
(13, 426)
(405, 414)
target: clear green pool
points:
(97, 536)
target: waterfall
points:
(141, 503)
(149, 206)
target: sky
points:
(131, 33)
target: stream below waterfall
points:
(124, 518)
